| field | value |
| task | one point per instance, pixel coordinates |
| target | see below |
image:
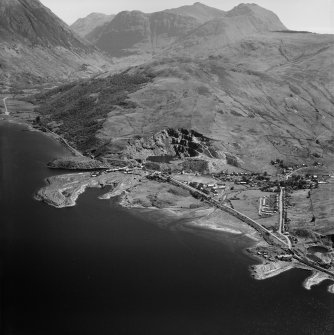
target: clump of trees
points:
(280, 163)
(296, 182)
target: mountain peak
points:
(249, 8)
(30, 21)
(272, 21)
(32, 3)
(86, 25)
(35, 45)
(199, 11)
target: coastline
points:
(135, 191)
(317, 278)
(64, 190)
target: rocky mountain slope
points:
(37, 46)
(134, 33)
(137, 33)
(86, 25)
(239, 23)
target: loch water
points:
(99, 269)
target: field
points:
(247, 202)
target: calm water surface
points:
(100, 269)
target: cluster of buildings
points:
(125, 170)
(208, 188)
(272, 256)
(268, 206)
(243, 178)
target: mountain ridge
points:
(131, 32)
(121, 36)
(198, 11)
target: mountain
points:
(37, 46)
(263, 98)
(239, 23)
(137, 33)
(252, 89)
(198, 11)
(134, 33)
(86, 25)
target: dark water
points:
(98, 269)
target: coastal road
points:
(231, 211)
(4, 103)
(63, 141)
(251, 222)
(311, 265)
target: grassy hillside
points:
(79, 109)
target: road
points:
(311, 265)
(4, 103)
(62, 140)
(291, 173)
(281, 218)
(250, 222)
(231, 211)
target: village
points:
(259, 199)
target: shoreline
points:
(64, 190)
(62, 196)
(58, 138)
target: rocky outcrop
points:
(181, 143)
